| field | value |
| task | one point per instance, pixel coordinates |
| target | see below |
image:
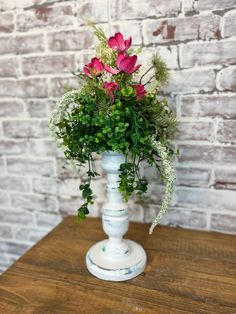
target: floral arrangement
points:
(117, 109)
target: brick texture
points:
(227, 79)
(208, 106)
(6, 22)
(209, 53)
(225, 179)
(45, 17)
(128, 9)
(229, 28)
(182, 29)
(42, 42)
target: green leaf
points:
(127, 91)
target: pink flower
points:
(95, 67)
(110, 88)
(127, 63)
(118, 42)
(124, 64)
(140, 91)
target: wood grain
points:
(188, 272)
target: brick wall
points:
(42, 42)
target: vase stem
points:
(115, 216)
(115, 258)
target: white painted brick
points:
(12, 4)
(223, 223)
(207, 154)
(201, 5)
(9, 67)
(99, 189)
(191, 81)
(7, 45)
(97, 10)
(34, 87)
(95, 210)
(13, 183)
(136, 212)
(83, 57)
(2, 165)
(45, 185)
(131, 9)
(181, 29)
(6, 22)
(6, 261)
(5, 232)
(60, 84)
(151, 174)
(29, 44)
(43, 147)
(69, 188)
(31, 166)
(34, 202)
(218, 105)
(128, 29)
(47, 220)
(195, 131)
(45, 17)
(69, 205)
(11, 108)
(176, 217)
(13, 216)
(169, 54)
(25, 129)
(38, 108)
(81, 38)
(192, 176)
(48, 64)
(206, 198)
(13, 147)
(225, 179)
(208, 53)
(22, 44)
(29, 234)
(4, 202)
(155, 194)
(227, 79)
(229, 28)
(67, 169)
(13, 248)
(226, 131)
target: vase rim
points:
(112, 153)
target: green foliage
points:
(160, 69)
(126, 126)
(90, 120)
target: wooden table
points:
(187, 272)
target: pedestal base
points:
(116, 269)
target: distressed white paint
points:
(115, 259)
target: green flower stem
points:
(145, 73)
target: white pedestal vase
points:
(115, 259)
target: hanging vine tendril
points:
(168, 174)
